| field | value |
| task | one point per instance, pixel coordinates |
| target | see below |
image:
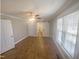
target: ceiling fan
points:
(32, 14)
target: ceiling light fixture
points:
(32, 19)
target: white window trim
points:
(65, 51)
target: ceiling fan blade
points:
(36, 15)
(38, 18)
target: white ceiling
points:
(44, 8)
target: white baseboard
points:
(6, 50)
(15, 44)
(20, 39)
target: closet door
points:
(7, 39)
(43, 27)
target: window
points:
(67, 31)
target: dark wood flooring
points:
(33, 48)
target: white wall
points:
(32, 28)
(0, 35)
(19, 29)
(53, 29)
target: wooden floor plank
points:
(32, 48)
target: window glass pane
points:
(69, 43)
(67, 31)
(71, 38)
(59, 36)
(63, 37)
(59, 24)
(71, 23)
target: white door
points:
(44, 27)
(7, 39)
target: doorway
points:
(43, 29)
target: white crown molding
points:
(11, 16)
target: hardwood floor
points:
(9, 54)
(32, 48)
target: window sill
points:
(63, 52)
